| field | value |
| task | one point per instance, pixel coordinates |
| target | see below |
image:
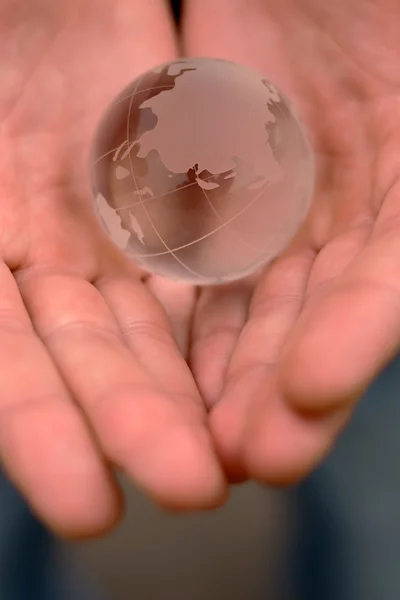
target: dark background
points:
(176, 7)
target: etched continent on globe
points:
(201, 172)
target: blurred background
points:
(229, 554)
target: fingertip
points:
(166, 450)
(319, 380)
(52, 460)
(181, 471)
(89, 522)
(267, 464)
(228, 419)
(339, 347)
(281, 447)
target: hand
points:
(324, 319)
(91, 376)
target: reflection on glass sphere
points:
(201, 171)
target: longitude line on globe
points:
(169, 251)
(224, 223)
(228, 221)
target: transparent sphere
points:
(201, 171)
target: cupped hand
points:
(92, 379)
(283, 364)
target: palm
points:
(325, 317)
(91, 374)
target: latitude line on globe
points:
(178, 189)
(210, 233)
(169, 251)
(146, 200)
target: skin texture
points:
(324, 319)
(185, 390)
(92, 377)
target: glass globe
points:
(201, 171)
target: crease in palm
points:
(104, 367)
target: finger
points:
(178, 301)
(349, 332)
(279, 445)
(274, 309)
(193, 476)
(219, 317)
(139, 400)
(274, 313)
(45, 446)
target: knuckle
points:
(80, 328)
(147, 329)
